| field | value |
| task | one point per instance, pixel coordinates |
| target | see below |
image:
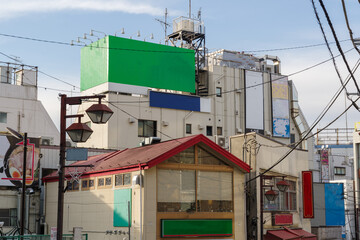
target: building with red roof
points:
(186, 187)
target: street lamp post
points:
(78, 132)
(270, 195)
(25, 139)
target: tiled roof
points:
(149, 156)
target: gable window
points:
(339, 171)
(146, 128)
(186, 157)
(185, 183)
(188, 128)
(209, 131)
(3, 117)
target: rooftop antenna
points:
(189, 8)
(165, 25)
(199, 14)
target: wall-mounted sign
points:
(11, 161)
(308, 195)
(280, 106)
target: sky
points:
(257, 26)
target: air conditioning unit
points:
(220, 141)
(47, 141)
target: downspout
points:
(141, 185)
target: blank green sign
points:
(196, 228)
(121, 199)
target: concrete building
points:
(236, 93)
(334, 163)
(186, 187)
(261, 153)
(21, 110)
(333, 159)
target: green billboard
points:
(196, 227)
(126, 61)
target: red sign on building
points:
(308, 196)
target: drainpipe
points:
(141, 186)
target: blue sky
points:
(237, 25)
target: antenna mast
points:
(165, 25)
(189, 8)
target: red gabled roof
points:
(149, 156)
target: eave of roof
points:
(148, 156)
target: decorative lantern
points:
(99, 113)
(271, 195)
(282, 185)
(79, 132)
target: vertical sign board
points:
(334, 204)
(121, 211)
(254, 99)
(12, 158)
(324, 159)
(308, 194)
(280, 106)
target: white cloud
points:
(11, 9)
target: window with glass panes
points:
(8, 216)
(339, 171)
(185, 183)
(285, 201)
(146, 128)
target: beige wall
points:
(239, 205)
(92, 210)
(261, 154)
(227, 112)
(10, 199)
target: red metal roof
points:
(151, 155)
(286, 234)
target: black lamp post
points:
(25, 139)
(78, 132)
(270, 195)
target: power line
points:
(318, 119)
(289, 75)
(348, 26)
(58, 79)
(81, 45)
(92, 45)
(291, 48)
(338, 44)
(42, 72)
(327, 43)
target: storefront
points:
(183, 188)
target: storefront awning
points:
(286, 234)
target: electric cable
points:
(283, 76)
(291, 48)
(81, 45)
(327, 44)
(338, 44)
(42, 72)
(322, 114)
(348, 26)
